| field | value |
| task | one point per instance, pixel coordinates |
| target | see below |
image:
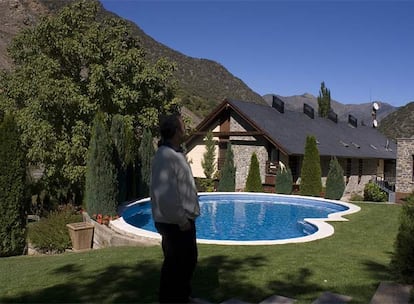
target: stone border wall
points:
(404, 184)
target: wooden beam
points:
(231, 133)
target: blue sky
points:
(363, 50)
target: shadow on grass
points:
(217, 278)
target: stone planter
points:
(81, 235)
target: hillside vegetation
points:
(399, 123)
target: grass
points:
(352, 262)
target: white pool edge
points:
(324, 229)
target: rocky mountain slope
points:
(202, 84)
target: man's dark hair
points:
(169, 125)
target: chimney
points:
(352, 121)
(278, 104)
(333, 116)
(308, 110)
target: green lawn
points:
(353, 261)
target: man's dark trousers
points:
(180, 259)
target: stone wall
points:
(404, 183)
(243, 148)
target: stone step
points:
(332, 298)
(392, 293)
(275, 299)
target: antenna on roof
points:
(375, 108)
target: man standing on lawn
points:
(174, 208)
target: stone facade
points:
(405, 165)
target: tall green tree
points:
(68, 67)
(310, 179)
(402, 261)
(254, 181)
(284, 181)
(124, 143)
(335, 184)
(101, 190)
(12, 190)
(324, 101)
(227, 181)
(208, 161)
(146, 152)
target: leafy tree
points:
(227, 181)
(67, 68)
(146, 152)
(402, 261)
(310, 181)
(284, 181)
(101, 176)
(12, 190)
(335, 184)
(324, 101)
(209, 156)
(254, 181)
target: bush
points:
(204, 184)
(373, 193)
(356, 198)
(284, 181)
(335, 184)
(402, 261)
(254, 182)
(50, 234)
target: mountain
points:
(363, 112)
(399, 123)
(202, 83)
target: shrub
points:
(373, 193)
(310, 179)
(402, 261)
(356, 197)
(227, 181)
(146, 152)
(12, 190)
(50, 234)
(335, 184)
(204, 184)
(254, 182)
(284, 181)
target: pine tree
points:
(284, 181)
(335, 184)
(254, 181)
(146, 152)
(101, 176)
(324, 101)
(12, 190)
(310, 181)
(227, 181)
(209, 156)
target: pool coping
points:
(324, 229)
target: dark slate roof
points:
(290, 129)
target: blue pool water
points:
(246, 217)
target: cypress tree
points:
(324, 101)
(284, 181)
(335, 184)
(101, 176)
(146, 152)
(12, 190)
(209, 156)
(402, 261)
(254, 182)
(227, 181)
(310, 183)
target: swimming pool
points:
(248, 218)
